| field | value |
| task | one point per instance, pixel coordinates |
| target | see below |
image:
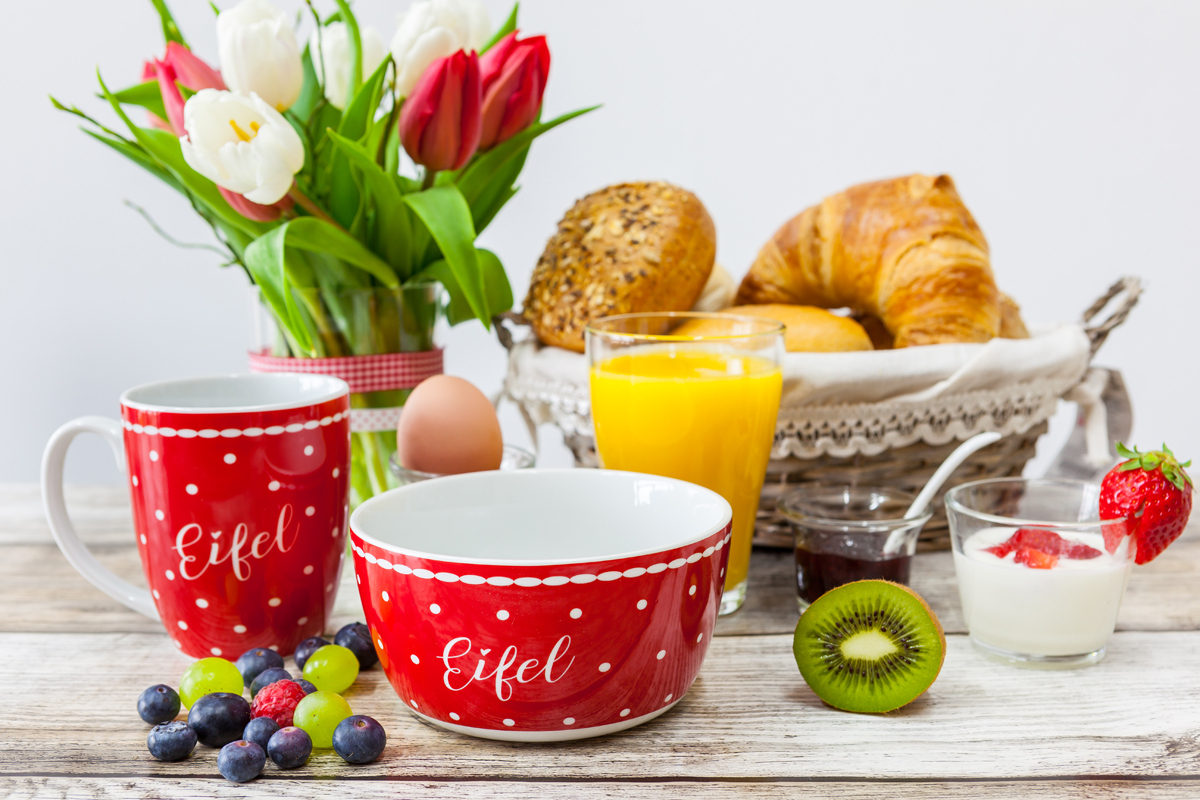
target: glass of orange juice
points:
(692, 396)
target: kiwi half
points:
(869, 646)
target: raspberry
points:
(277, 701)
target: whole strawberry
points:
(1154, 493)
(277, 701)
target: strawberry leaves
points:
(1163, 460)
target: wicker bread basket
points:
(807, 446)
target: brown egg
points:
(448, 427)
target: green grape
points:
(206, 676)
(331, 668)
(319, 714)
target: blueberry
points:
(241, 761)
(260, 730)
(171, 741)
(253, 662)
(219, 718)
(306, 686)
(359, 739)
(267, 677)
(289, 748)
(306, 649)
(356, 638)
(158, 704)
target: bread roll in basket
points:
(877, 417)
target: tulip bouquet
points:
(295, 157)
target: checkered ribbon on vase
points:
(376, 373)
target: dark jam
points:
(817, 573)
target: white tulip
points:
(433, 29)
(335, 60)
(259, 53)
(241, 143)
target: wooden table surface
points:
(72, 663)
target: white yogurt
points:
(1069, 609)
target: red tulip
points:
(179, 66)
(514, 77)
(440, 120)
(256, 211)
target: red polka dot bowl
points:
(541, 605)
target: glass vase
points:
(359, 322)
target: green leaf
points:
(447, 216)
(138, 156)
(508, 27)
(171, 32)
(310, 90)
(477, 178)
(344, 196)
(147, 95)
(356, 69)
(496, 287)
(495, 283)
(394, 229)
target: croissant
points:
(905, 250)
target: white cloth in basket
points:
(842, 404)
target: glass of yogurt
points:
(1040, 575)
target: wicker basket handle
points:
(1131, 288)
(505, 332)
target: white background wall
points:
(1070, 128)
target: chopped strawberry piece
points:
(1046, 542)
(1035, 559)
(1079, 551)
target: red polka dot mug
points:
(541, 605)
(240, 488)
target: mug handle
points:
(60, 523)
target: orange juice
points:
(698, 415)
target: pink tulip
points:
(440, 120)
(179, 66)
(256, 211)
(514, 77)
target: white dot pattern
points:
(135, 483)
(414, 658)
(274, 602)
(191, 488)
(642, 605)
(308, 570)
(510, 722)
(239, 628)
(308, 450)
(182, 625)
(201, 602)
(502, 614)
(216, 651)
(230, 458)
(302, 621)
(569, 721)
(576, 613)
(308, 512)
(625, 712)
(454, 716)
(230, 433)
(661, 654)
(605, 667)
(158, 515)
(154, 455)
(273, 486)
(435, 609)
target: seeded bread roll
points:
(628, 248)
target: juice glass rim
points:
(954, 504)
(769, 327)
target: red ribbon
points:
(376, 373)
